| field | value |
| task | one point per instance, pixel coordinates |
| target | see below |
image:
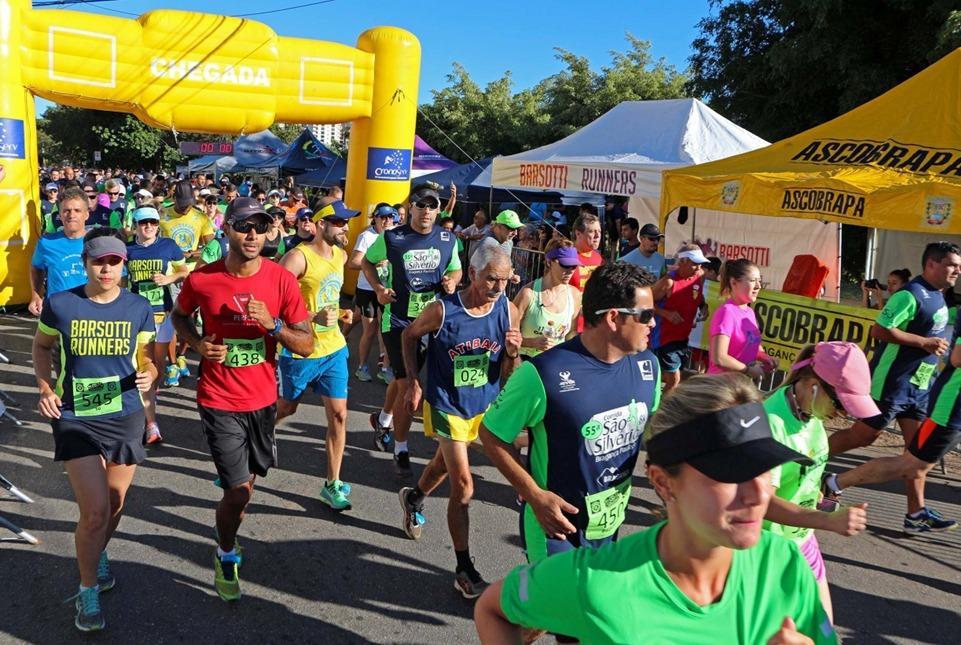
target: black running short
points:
(118, 439)
(393, 343)
(367, 302)
(932, 442)
(241, 443)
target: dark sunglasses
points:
(432, 205)
(112, 260)
(151, 222)
(90, 195)
(113, 194)
(245, 226)
(643, 316)
(333, 221)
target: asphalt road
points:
(313, 576)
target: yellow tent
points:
(892, 163)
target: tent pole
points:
(693, 223)
(872, 251)
(837, 288)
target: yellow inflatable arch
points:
(195, 72)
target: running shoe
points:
(402, 464)
(227, 576)
(383, 437)
(363, 374)
(469, 583)
(333, 496)
(830, 497)
(153, 433)
(414, 519)
(105, 579)
(182, 366)
(172, 376)
(89, 617)
(386, 375)
(929, 520)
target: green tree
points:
(495, 120)
(778, 67)
(73, 134)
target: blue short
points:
(673, 356)
(327, 375)
(915, 408)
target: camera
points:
(873, 283)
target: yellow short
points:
(450, 426)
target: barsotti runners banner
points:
(790, 322)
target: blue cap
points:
(335, 210)
(387, 211)
(145, 212)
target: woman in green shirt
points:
(708, 574)
(827, 379)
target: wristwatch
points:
(278, 325)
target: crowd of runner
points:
(564, 386)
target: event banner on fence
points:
(790, 322)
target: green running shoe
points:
(333, 496)
(89, 617)
(227, 576)
(105, 579)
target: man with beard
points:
(319, 268)
(249, 306)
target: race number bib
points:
(922, 377)
(93, 397)
(244, 352)
(418, 302)
(471, 371)
(605, 510)
(153, 292)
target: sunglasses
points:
(113, 194)
(643, 316)
(112, 260)
(149, 222)
(431, 205)
(245, 226)
(90, 195)
(335, 222)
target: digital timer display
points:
(206, 148)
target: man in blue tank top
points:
(913, 333)
(473, 345)
(586, 403)
(424, 262)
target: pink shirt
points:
(740, 325)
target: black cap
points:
(243, 208)
(732, 445)
(422, 191)
(650, 230)
(183, 195)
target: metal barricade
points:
(528, 265)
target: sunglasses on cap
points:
(385, 211)
(245, 226)
(643, 316)
(427, 203)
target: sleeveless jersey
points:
(464, 358)
(685, 298)
(946, 391)
(899, 373)
(538, 321)
(320, 287)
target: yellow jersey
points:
(187, 230)
(320, 287)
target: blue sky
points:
(486, 37)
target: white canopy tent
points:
(624, 151)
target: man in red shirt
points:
(679, 296)
(249, 305)
(587, 237)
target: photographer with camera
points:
(872, 291)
